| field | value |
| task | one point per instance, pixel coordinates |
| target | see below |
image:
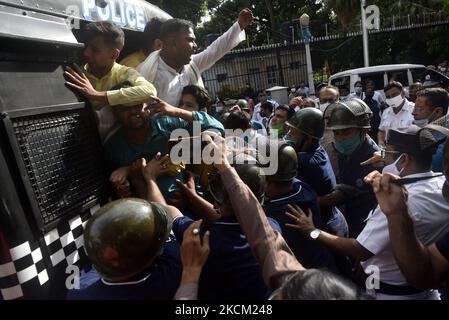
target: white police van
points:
(51, 170)
(406, 74)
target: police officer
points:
(433, 266)
(128, 242)
(284, 189)
(350, 122)
(231, 270)
(314, 166)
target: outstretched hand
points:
(302, 222)
(245, 18)
(194, 254)
(78, 81)
(155, 168)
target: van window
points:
(417, 74)
(378, 79)
(343, 81)
(400, 76)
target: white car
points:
(406, 74)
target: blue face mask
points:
(358, 90)
(347, 147)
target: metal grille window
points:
(271, 75)
(62, 161)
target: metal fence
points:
(285, 64)
(261, 68)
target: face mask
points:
(358, 90)
(393, 169)
(219, 109)
(277, 128)
(347, 147)
(323, 106)
(395, 102)
(421, 123)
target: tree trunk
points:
(272, 20)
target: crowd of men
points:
(356, 198)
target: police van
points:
(52, 176)
(406, 74)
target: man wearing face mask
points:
(433, 266)
(350, 122)
(431, 104)
(314, 166)
(358, 90)
(399, 114)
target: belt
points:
(393, 290)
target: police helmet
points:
(353, 113)
(124, 237)
(309, 121)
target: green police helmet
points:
(309, 121)
(352, 113)
(250, 173)
(125, 236)
(287, 164)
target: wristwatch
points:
(315, 234)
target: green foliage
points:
(231, 92)
(192, 10)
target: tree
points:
(192, 10)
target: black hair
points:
(290, 112)
(200, 94)
(238, 120)
(314, 284)
(151, 33)
(394, 84)
(111, 34)
(267, 105)
(173, 26)
(435, 97)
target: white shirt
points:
(257, 108)
(430, 214)
(169, 83)
(402, 120)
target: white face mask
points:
(323, 106)
(393, 169)
(395, 102)
(421, 123)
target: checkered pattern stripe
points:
(65, 243)
(24, 272)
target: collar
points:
(297, 189)
(408, 107)
(86, 70)
(127, 283)
(230, 221)
(170, 69)
(424, 174)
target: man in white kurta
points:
(175, 66)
